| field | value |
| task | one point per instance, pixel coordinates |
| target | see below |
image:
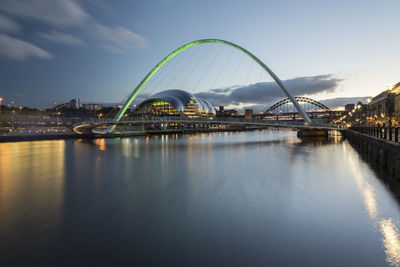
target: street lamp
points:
(1, 99)
(12, 120)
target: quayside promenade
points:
(380, 145)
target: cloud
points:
(58, 12)
(20, 50)
(266, 93)
(62, 38)
(67, 15)
(112, 48)
(8, 25)
(120, 39)
(333, 103)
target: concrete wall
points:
(385, 153)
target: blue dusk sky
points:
(56, 50)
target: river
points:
(261, 198)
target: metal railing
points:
(386, 133)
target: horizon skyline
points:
(84, 48)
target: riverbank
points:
(384, 153)
(21, 138)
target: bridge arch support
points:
(300, 99)
(135, 92)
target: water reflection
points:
(259, 198)
(32, 177)
(101, 143)
(391, 241)
(386, 225)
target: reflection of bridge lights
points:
(101, 143)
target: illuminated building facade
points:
(176, 103)
(385, 107)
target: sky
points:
(98, 51)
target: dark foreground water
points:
(231, 199)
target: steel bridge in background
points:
(299, 99)
(283, 109)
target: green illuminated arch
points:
(188, 45)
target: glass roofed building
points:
(176, 102)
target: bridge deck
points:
(90, 125)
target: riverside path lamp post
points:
(12, 120)
(1, 99)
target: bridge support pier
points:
(312, 133)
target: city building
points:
(222, 112)
(72, 104)
(75, 104)
(385, 107)
(348, 107)
(92, 107)
(248, 114)
(176, 103)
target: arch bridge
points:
(117, 120)
(300, 99)
(283, 110)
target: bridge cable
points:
(195, 67)
(183, 67)
(248, 73)
(168, 68)
(234, 73)
(165, 72)
(172, 71)
(146, 89)
(112, 112)
(207, 69)
(151, 82)
(223, 67)
(192, 57)
(161, 78)
(262, 73)
(178, 72)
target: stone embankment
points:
(385, 152)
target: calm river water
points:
(261, 198)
